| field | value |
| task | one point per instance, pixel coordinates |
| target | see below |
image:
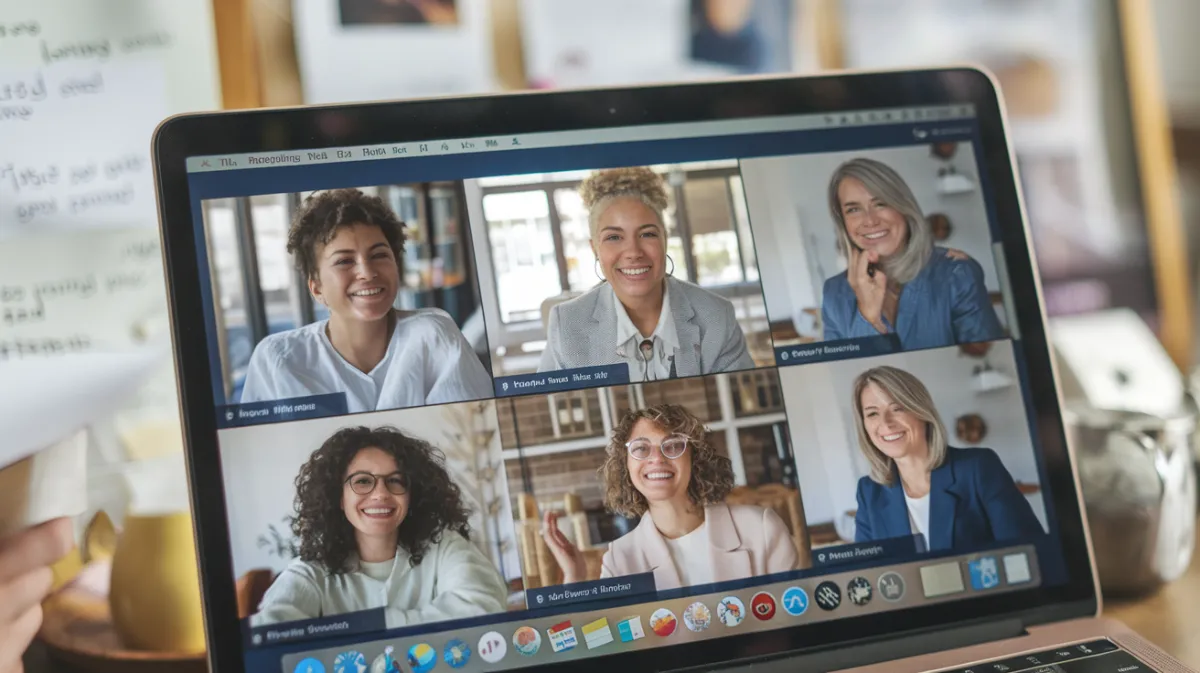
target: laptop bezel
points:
(318, 127)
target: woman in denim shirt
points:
(897, 281)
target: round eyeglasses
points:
(363, 483)
(672, 447)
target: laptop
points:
(744, 374)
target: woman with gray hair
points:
(919, 485)
(640, 314)
(897, 281)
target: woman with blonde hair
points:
(897, 281)
(662, 468)
(660, 326)
(919, 485)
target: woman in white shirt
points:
(642, 316)
(919, 485)
(381, 524)
(348, 245)
(661, 467)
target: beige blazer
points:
(745, 540)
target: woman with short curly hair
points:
(381, 524)
(641, 316)
(348, 247)
(662, 468)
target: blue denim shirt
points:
(946, 304)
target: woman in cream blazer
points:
(661, 467)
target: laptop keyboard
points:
(1097, 656)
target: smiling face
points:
(872, 224)
(379, 512)
(630, 244)
(357, 274)
(894, 430)
(658, 478)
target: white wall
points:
(818, 402)
(795, 235)
(260, 464)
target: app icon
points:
(663, 622)
(492, 647)
(597, 633)
(1016, 568)
(527, 641)
(731, 611)
(985, 573)
(386, 662)
(697, 616)
(456, 653)
(795, 601)
(350, 662)
(562, 637)
(763, 605)
(310, 665)
(630, 629)
(422, 658)
(828, 596)
(859, 591)
(891, 586)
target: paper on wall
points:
(355, 50)
(82, 87)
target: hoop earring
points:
(672, 271)
(596, 268)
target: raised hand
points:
(568, 556)
(869, 289)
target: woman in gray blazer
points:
(660, 326)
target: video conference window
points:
(364, 293)
(891, 242)
(691, 480)
(934, 443)
(652, 269)
(401, 511)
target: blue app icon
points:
(795, 601)
(350, 662)
(310, 665)
(985, 573)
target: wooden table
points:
(1170, 618)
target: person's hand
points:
(568, 556)
(870, 290)
(958, 255)
(25, 579)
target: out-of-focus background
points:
(1103, 99)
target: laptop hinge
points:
(876, 650)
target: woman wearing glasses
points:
(661, 467)
(381, 524)
(641, 316)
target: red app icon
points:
(763, 605)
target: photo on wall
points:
(594, 472)
(629, 274)
(933, 443)
(882, 251)
(344, 301)
(402, 513)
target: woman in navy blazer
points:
(954, 498)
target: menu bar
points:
(451, 146)
(518, 641)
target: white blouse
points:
(453, 580)
(428, 361)
(692, 557)
(918, 516)
(653, 363)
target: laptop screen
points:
(499, 402)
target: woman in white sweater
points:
(381, 525)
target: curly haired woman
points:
(348, 246)
(661, 467)
(642, 316)
(381, 525)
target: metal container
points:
(1139, 483)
